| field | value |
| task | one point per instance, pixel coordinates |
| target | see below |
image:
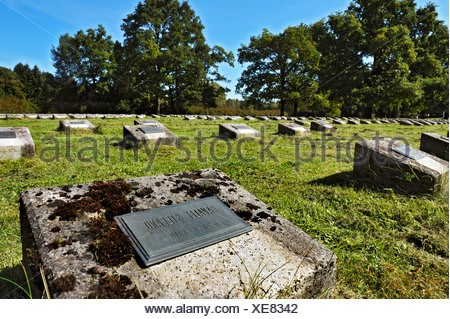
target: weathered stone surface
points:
(67, 125)
(77, 116)
(413, 171)
(2, 116)
(250, 118)
(363, 121)
(322, 126)
(15, 142)
(434, 144)
(31, 116)
(292, 129)
(405, 122)
(262, 118)
(236, 131)
(296, 266)
(138, 133)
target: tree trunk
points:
(282, 106)
(295, 108)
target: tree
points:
(166, 54)
(87, 58)
(278, 64)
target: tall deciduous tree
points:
(166, 54)
(88, 58)
(278, 65)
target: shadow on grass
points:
(9, 290)
(376, 184)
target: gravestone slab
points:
(391, 161)
(375, 121)
(190, 117)
(141, 116)
(406, 122)
(352, 122)
(262, 118)
(15, 116)
(363, 121)
(434, 144)
(77, 116)
(236, 131)
(296, 265)
(60, 116)
(45, 116)
(94, 116)
(148, 133)
(339, 122)
(322, 126)
(79, 124)
(211, 117)
(15, 142)
(302, 122)
(148, 122)
(31, 116)
(292, 129)
(250, 118)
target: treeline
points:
(377, 58)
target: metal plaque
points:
(151, 130)
(163, 233)
(8, 134)
(409, 152)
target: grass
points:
(388, 244)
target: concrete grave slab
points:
(301, 122)
(391, 161)
(363, 121)
(250, 118)
(3, 116)
(375, 121)
(16, 142)
(31, 116)
(148, 133)
(352, 122)
(60, 116)
(406, 122)
(292, 129)
(148, 122)
(78, 124)
(66, 245)
(15, 116)
(141, 116)
(339, 122)
(77, 116)
(45, 116)
(322, 126)
(190, 117)
(434, 144)
(262, 118)
(236, 131)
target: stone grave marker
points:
(15, 142)
(236, 131)
(45, 116)
(77, 116)
(249, 118)
(435, 144)
(148, 122)
(364, 121)
(148, 133)
(292, 129)
(339, 122)
(31, 116)
(390, 161)
(60, 116)
(322, 126)
(69, 125)
(15, 116)
(190, 117)
(352, 122)
(71, 233)
(141, 116)
(375, 121)
(301, 122)
(262, 118)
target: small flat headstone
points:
(435, 144)
(409, 152)
(292, 129)
(237, 131)
(67, 125)
(163, 233)
(150, 132)
(16, 142)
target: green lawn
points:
(388, 244)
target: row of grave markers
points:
(431, 159)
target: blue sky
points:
(29, 28)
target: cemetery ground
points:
(388, 244)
